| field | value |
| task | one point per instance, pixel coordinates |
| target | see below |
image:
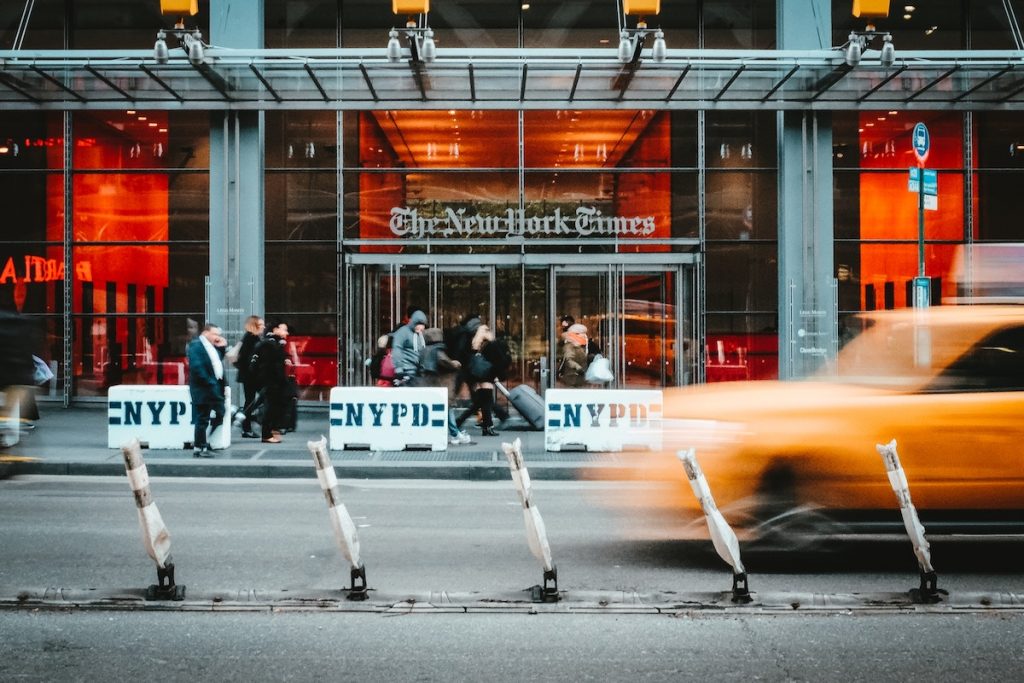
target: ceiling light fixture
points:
(858, 41)
(632, 41)
(419, 35)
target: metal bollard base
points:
(549, 591)
(740, 591)
(166, 589)
(929, 593)
(358, 591)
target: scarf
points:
(218, 366)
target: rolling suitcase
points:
(527, 402)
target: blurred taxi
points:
(790, 460)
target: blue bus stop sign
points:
(921, 141)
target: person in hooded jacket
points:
(406, 345)
(572, 366)
(437, 369)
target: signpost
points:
(925, 182)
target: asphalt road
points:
(103, 646)
(82, 532)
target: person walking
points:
(482, 370)
(461, 349)
(572, 367)
(206, 385)
(405, 352)
(254, 329)
(437, 369)
(272, 377)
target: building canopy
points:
(509, 79)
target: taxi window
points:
(996, 363)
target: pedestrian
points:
(17, 369)
(437, 369)
(272, 357)
(461, 349)
(482, 370)
(408, 340)
(572, 366)
(206, 385)
(254, 329)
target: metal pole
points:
(920, 224)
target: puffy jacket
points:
(405, 353)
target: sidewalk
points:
(73, 441)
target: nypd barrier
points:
(159, 416)
(384, 419)
(602, 419)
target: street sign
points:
(931, 186)
(921, 141)
(931, 181)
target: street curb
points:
(442, 602)
(363, 469)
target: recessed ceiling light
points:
(909, 8)
(526, 5)
(868, 125)
(163, 130)
(152, 124)
(142, 118)
(130, 112)
(907, 16)
(893, 113)
(931, 30)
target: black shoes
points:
(203, 452)
(489, 431)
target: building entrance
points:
(639, 316)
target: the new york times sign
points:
(459, 223)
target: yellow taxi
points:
(788, 462)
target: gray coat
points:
(405, 351)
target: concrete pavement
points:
(74, 441)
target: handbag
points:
(599, 371)
(480, 368)
(41, 373)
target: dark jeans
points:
(251, 389)
(483, 400)
(274, 397)
(203, 420)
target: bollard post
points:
(155, 537)
(928, 592)
(341, 521)
(722, 536)
(536, 534)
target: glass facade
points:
(659, 229)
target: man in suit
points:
(206, 384)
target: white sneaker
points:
(464, 437)
(454, 441)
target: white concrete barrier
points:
(385, 419)
(160, 416)
(10, 418)
(602, 419)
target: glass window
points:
(990, 27)
(741, 347)
(456, 23)
(877, 276)
(301, 206)
(741, 205)
(313, 23)
(738, 24)
(740, 139)
(741, 277)
(137, 139)
(594, 24)
(45, 29)
(598, 139)
(301, 139)
(301, 277)
(932, 25)
(125, 24)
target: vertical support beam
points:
(236, 184)
(67, 359)
(807, 309)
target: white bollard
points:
(341, 521)
(929, 591)
(722, 536)
(155, 537)
(536, 534)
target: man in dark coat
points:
(271, 364)
(206, 384)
